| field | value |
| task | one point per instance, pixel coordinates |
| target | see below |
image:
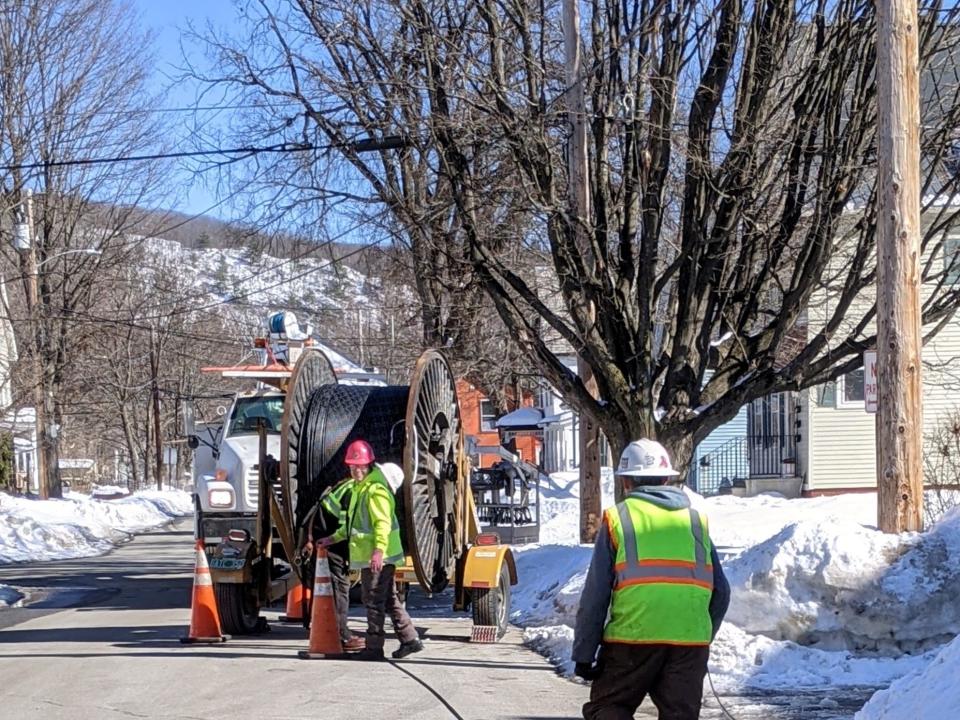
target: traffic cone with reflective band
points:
(324, 632)
(297, 598)
(204, 618)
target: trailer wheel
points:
(491, 606)
(239, 612)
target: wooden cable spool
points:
(416, 426)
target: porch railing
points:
(722, 466)
(740, 458)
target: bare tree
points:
(73, 88)
(305, 75)
(732, 171)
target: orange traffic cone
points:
(204, 618)
(324, 633)
(297, 598)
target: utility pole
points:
(30, 277)
(579, 199)
(155, 391)
(900, 387)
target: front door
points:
(770, 435)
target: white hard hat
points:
(646, 458)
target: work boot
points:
(370, 655)
(354, 643)
(407, 648)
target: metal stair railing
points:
(722, 466)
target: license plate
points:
(227, 563)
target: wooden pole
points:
(31, 271)
(579, 198)
(155, 392)
(900, 412)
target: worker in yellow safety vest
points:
(657, 575)
(371, 528)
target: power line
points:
(248, 151)
(389, 142)
(172, 109)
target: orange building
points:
(480, 422)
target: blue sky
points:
(167, 18)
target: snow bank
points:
(931, 692)
(560, 505)
(108, 491)
(9, 596)
(797, 569)
(80, 526)
(844, 586)
(545, 604)
(739, 659)
(739, 523)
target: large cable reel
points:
(431, 484)
(313, 370)
(416, 426)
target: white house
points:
(823, 435)
(22, 424)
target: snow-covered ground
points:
(819, 597)
(80, 525)
(930, 692)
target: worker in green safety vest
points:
(371, 528)
(654, 596)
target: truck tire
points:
(238, 609)
(491, 606)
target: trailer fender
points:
(484, 563)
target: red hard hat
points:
(359, 452)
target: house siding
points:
(843, 445)
(731, 430)
(841, 452)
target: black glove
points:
(587, 671)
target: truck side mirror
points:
(193, 442)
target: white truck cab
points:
(228, 491)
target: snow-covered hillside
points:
(243, 277)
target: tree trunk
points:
(128, 434)
(679, 443)
(54, 428)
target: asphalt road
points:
(99, 639)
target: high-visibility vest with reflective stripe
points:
(372, 499)
(664, 575)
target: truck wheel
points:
(238, 609)
(491, 606)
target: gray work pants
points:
(340, 574)
(380, 597)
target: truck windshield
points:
(246, 412)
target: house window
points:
(951, 259)
(850, 387)
(488, 417)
